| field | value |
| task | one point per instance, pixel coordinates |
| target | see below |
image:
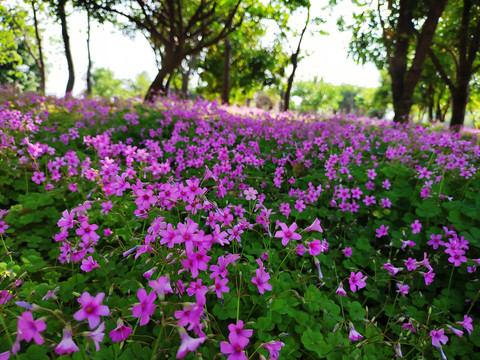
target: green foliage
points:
(105, 85)
(316, 96)
(304, 308)
(320, 97)
(16, 41)
(258, 68)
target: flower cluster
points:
(161, 226)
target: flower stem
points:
(6, 331)
(450, 282)
(157, 341)
(6, 249)
(473, 302)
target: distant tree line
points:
(427, 49)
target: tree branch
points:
(384, 34)
(474, 46)
(424, 41)
(440, 69)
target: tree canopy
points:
(17, 48)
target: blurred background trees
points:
(426, 51)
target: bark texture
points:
(66, 42)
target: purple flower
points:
(287, 233)
(238, 330)
(66, 221)
(340, 290)
(466, 323)
(416, 226)
(438, 337)
(428, 277)
(106, 207)
(89, 264)
(97, 335)
(392, 269)
(51, 294)
(91, 309)
(356, 281)
(261, 278)
(411, 264)
(38, 177)
(235, 347)
(5, 296)
(457, 257)
(66, 346)
(354, 335)
(386, 203)
(347, 251)
(221, 286)
(369, 200)
(314, 227)
(316, 247)
(273, 349)
(457, 332)
(161, 286)
(188, 343)
(250, 193)
(121, 332)
(3, 227)
(146, 307)
(382, 231)
(402, 289)
(29, 329)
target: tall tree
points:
(397, 35)
(251, 70)
(191, 63)
(289, 32)
(431, 93)
(39, 60)
(253, 65)
(294, 59)
(89, 66)
(454, 53)
(176, 29)
(62, 16)
(226, 72)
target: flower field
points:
(190, 230)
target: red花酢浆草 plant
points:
(198, 233)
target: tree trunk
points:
(286, 102)
(157, 87)
(226, 73)
(186, 75)
(172, 60)
(404, 81)
(160, 84)
(41, 63)
(459, 105)
(469, 44)
(398, 64)
(402, 109)
(430, 102)
(439, 113)
(66, 42)
(89, 67)
(185, 78)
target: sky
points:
(128, 57)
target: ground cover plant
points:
(190, 230)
